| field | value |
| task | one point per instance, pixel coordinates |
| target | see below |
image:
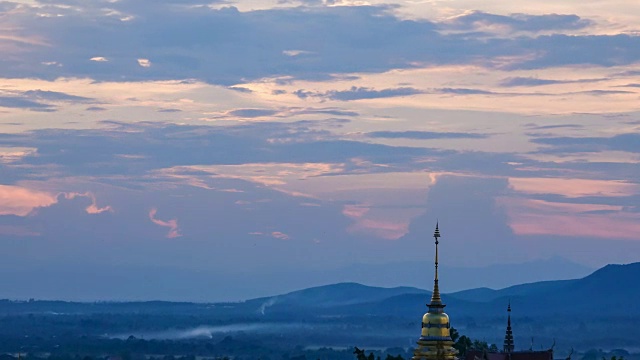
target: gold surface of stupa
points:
(435, 341)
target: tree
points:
(454, 334)
(463, 345)
(614, 358)
(360, 354)
(390, 357)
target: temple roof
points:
(515, 355)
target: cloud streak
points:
(482, 21)
(172, 224)
(359, 93)
(424, 135)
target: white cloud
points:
(144, 63)
(296, 52)
(99, 59)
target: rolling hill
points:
(609, 290)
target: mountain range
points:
(104, 282)
(600, 310)
(612, 289)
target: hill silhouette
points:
(598, 310)
(610, 290)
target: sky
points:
(208, 151)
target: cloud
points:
(99, 59)
(56, 96)
(538, 217)
(424, 135)
(482, 21)
(176, 43)
(622, 142)
(21, 201)
(469, 91)
(280, 235)
(172, 224)
(283, 112)
(532, 81)
(252, 113)
(22, 103)
(560, 50)
(453, 198)
(93, 208)
(296, 52)
(574, 188)
(365, 222)
(145, 63)
(95, 108)
(149, 146)
(240, 89)
(555, 126)
(359, 93)
(38, 100)
(325, 111)
(602, 92)
(463, 91)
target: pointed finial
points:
(435, 296)
(508, 336)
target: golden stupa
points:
(435, 341)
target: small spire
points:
(508, 337)
(435, 296)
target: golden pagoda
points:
(435, 341)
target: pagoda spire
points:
(435, 341)
(508, 337)
(436, 301)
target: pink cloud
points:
(573, 187)
(355, 211)
(537, 217)
(381, 228)
(172, 224)
(280, 235)
(93, 208)
(388, 230)
(16, 200)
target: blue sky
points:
(238, 145)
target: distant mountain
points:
(610, 290)
(102, 281)
(598, 310)
(343, 294)
(329, 297)
(485, 294)
(496, 276)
